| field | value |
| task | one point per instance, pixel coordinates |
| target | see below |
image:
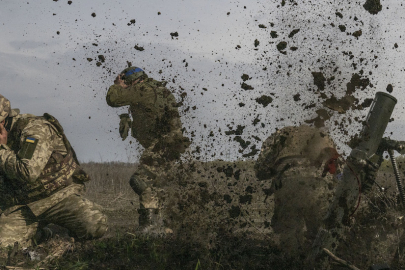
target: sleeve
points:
(35, 150)
(269, 153)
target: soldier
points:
(41, 181)
(300, 162)
(157, 127)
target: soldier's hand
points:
(368, 171)
(3, 134)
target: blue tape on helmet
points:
(132, 71)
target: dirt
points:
(319, 80)
(319, 121)
(281, 46)
(373, 6)
(357, 33)
(101, 58)
(246, 86)
(245, 77)
(238, 131)
(389, 88)
(293, 32)
(174, 34)
(264, 100)
(139, 48)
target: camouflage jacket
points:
(37, 160)
(293, 147)
(153, 107)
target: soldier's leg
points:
(79, 215)
(150, 216)
(19, 226)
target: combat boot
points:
(151, 222)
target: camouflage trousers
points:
(145, 183)
(80, 216)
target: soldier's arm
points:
(36, 146)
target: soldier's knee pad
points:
(137, 184)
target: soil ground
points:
(241, 238)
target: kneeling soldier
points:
(41, 181)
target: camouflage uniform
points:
(157, 127)
(294, 159)
(42, 182)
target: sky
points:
(45, 47)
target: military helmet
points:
(5, 109)
(131, 74)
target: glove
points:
(125, 125)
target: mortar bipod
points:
(389, 146)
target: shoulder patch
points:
(28, 148)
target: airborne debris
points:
(101, 58)
(264, 100)
(273, 34)
(256, 43)
(358, 33)
(93, 14)
(139, 48)
(281, 47)
(251, 154)
(390, 88)
(319, 80)
(340, 15)
(89, 59)
(367, 102)
(262, 26)
(246, 86)
(373, 6)
(238, 131)
(319, 121)
(131, 22)
(293, 32)
(69, 2)
(244, 144)
(175, 34)
(245, 77)
(342, 28)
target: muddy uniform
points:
(295, 158)
(156, 125)
(42, 183)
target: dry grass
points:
(110, 177)
(109, 187)
(377, 235)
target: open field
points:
(224, 223)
